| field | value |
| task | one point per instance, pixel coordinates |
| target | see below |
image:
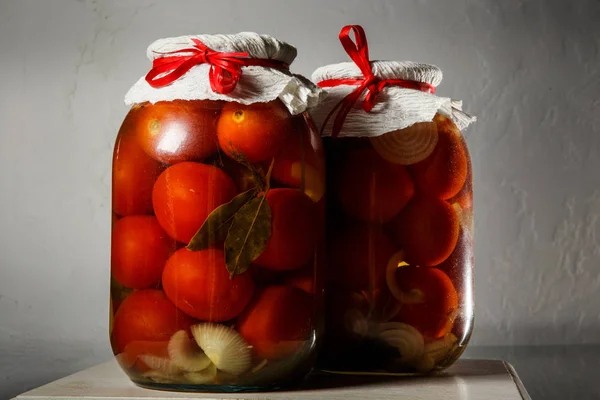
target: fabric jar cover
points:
(395, 107)
(256, 84)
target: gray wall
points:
(527, 69)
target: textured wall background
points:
(528, 69)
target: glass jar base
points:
(374, 373)
(438, 365)
(191, 388)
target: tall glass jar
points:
(218, 226)
(399, 291)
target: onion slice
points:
(409, 145)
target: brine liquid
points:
(399, 283)
(217, 245)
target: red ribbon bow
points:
(225, 68)
(359, 53)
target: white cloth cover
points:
(395, 107)
(257, 84)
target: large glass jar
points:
(399, 288)
(217, 240)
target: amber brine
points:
(217, 241)
(399, 287)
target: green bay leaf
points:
(248, 235)
(118, 292)
(217, 224)
(268, 176)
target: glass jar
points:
(217, 241)
(399, 288)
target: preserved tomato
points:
(218, 221)
(412, 244)
(399, 290)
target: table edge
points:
(518, 383)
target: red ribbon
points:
(359, 53)
(225, 68)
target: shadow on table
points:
(471, 368)
(550, 372)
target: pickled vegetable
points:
(214, 254)
(399, 288)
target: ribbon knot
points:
(225, 67)
(358, 51)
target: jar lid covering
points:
(395, 107)
(256, 83)
(408, 70)
(256, 45)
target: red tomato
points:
(140, 248)
(146, 315)
(277, 322)
(372, 189)
(444, 172)
(458, 266)
(133, 175)
(177, 130)
(293, 230)
(302, 158)
(434, 315)
(464, 197)
(254, 132)
(427, 230)
(186, 193)
(199, 284)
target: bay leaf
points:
(268, 176)
(217, 223)
(118, 293)
(257, 173)
(248, 235)
(258, 176)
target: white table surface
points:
(467, 379)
